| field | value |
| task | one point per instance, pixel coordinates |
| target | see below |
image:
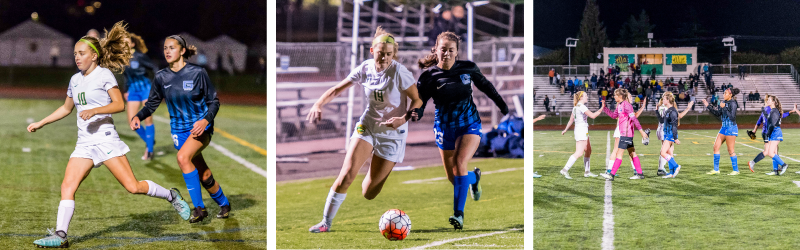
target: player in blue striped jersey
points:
(763, 119)
(726, 111)
(457, 124)
(138, 89)
(192, 102)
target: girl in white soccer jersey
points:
(381, 130)
(582, 144)
(661, 114)
(610, 162)
(94, 91)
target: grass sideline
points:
(106, 216)
(693, 211)
(429, 204)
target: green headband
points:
(90, 45)
(385, 38)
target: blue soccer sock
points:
(142, 132)
(774, 165)
(192, 180)
(716, 162)
(471, 178)
(777, 159)
(220, 197)
(672, 165)
(151, 137)
(461, 188)
(735, 163)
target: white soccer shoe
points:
(565, 174)
(589, 174)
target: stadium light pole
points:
(351, 92)
(471, 24)
(730, 43)
(649, 40)
(571, 43)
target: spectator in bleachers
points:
(594, 81)
(751, 96)
(551, 74)
(616, 70)
(627, 80)
(602, 73)
(741, 72)
(757, 96)
(553, 102)
(571, 87)
(586, 83)
(649, 93)
(546, 103)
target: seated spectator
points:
(757, 96)
(750, 97)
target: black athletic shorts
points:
(625, 142)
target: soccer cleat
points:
(713, 172)
(198, 215)
(224, 211)
(637, 177)
(147, 156)
(783, 168)
(662, 172)
(536, 175)
(179, 204)
(321, 227)
(457, 222)
(677, 169)
(751, 164)
(734, 173)
(589, 174)
(774, 172)
(608, 177)
(565, 174)
(667, 176)
(476, 188)
(57, 239)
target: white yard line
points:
(442, 242)
(608, 213)
(226, 152)
(445, 178)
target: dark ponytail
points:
(431, 59)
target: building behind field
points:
(665, 60)
(31, 43)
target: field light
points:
(479, 3)
(398, 8)
(731, 44)
(437, 8)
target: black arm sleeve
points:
(156, 95)
(424, 93)
(714, 110)
(673, 121)
(488, 88)
(210, 95)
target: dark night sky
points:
(554, 21)
(244, 20)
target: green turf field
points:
(428, 204)
(106, 216)
(692, 211)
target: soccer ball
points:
(395, 224)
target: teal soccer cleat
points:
(57, 239)
(457, 222)
(476, 188)
(179, 204)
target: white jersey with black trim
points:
(386, 97)
(88, 92)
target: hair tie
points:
(90, 45)
(385, 38)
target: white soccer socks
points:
(155, 190)
(65, 210)
(332, 204)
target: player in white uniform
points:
(582, 144)
(610, 162)
(382, 128)
(95, 93)
(662, 109)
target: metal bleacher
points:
(781, 85)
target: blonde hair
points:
(577, 98)
(138, 42)
(624, 93)
(671, 99)
(112, 51)
(379, 32)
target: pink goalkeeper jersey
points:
(626, 118)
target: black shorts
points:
(625, 142)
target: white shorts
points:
(393, 150)
(616, 132)
(660, 132)
(100, 153)
(581, 133)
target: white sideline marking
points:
(445, 178)
(797, 183)
(442, 242)
(226, 152)
(608, 214)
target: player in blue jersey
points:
(669, 120)
(192, 102)
(94, 92)
(726, 111)
(457, 124)
(771, 117)
(138, 89)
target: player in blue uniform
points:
(763, 119)
(670, 120)
(726, 111)
(192, 103)
(457, 123)
(138, 89)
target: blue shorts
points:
(729, 131)
(138, 96)
(777, 135)
(179, 138)
(668, 136)
(446, 137)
